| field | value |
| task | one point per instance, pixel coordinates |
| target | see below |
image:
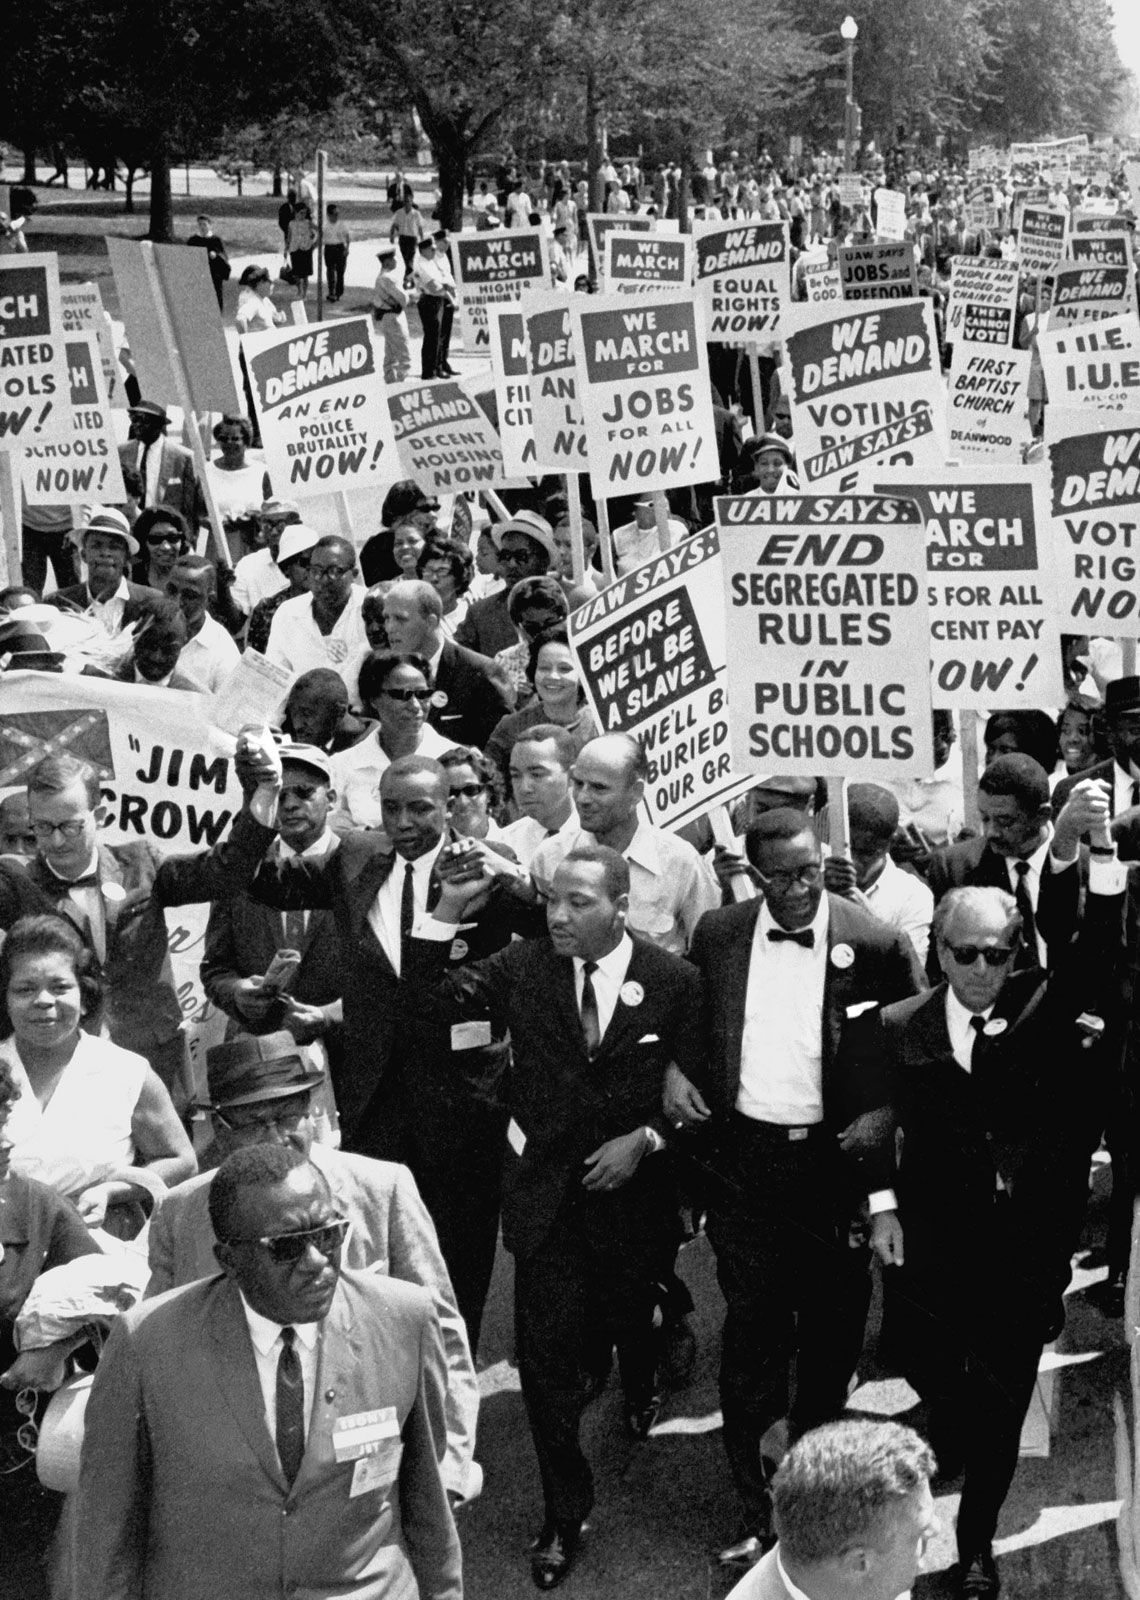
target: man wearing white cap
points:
(108, 547)
(390, 302)
(526, 549)
(293, 551)
(258, 575)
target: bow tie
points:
(89, 880)
(802, 936)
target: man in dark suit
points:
(166, 469)
(997, 1103)
(116, 896)
(108, 547)
(398, 1092)
(594, 1017)
(467, 702)
(1014, 853)
(783, 979)
(262, 1091)
(298, 1408)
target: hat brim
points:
(280, 1091)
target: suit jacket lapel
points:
(738, 959)
(236, 1370)
(626, 1019)
(368, 886)
(55, 892)
(111, 871)
(338, 1363)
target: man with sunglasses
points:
(323, 628)
(262, 1091)
(993, 1079)
(784, 977)
(273, 1430)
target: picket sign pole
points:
(605, 543)
(720, 824)
(661, 517)
(185, 400)
(757, 392)
(577, 536)
(969, 741)
(1128, 657)
(344, 517)
(321, 160)
(838, 827)
(494, 504)
(10, 514)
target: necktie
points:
(407, 903)
(145, 453)
(1025, 906)
(978, 1026)
(591, 1022)
(802, 936)
(290, 1407)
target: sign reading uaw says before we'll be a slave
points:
(828, 635)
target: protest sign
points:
(1094, 486)
(994, 639)
(742, 279)
(174, 327)
(822, 282)
(506, 327)
(983, 301)
(988, 400)
(1104, 248)
(86, 466)
(1094, 365)
(83, 313)
(651, 652)
(1084, 294)
(1036, 196)
(1085, 222)
(322, 406)
(643, 382)
(34, 406)
(637, 262)
(890, 214)
(446, 442)
(1040, 239)
(983, 207)
(850, 186)
(559, 436)
(878, 271)
(493, 268)
(601, 223)
(828, 635)
(865, 384)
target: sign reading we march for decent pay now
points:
(643, 386)
(323, 407)
(828, 635)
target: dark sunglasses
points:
(164, 538)
(286, 1249)
(994, 955)
(404, 695)
(469, 791)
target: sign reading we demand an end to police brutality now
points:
(1094, 487)
(643, 385)
(494, 268)
(323, 407)
(652, 656)
(865, 385)
(828, 635)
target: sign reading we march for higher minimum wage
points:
(493, 268)
(34, 406)
(828, 635)
(643, 386)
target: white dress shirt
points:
(356, 774)
(257, 577)
(384, 913)
(297, 643)
(1036, 863)
(109, 612)
(607, 981)
(319, 848)
(267, 1347)
(527, 835)
(209, 657)
(963, 1036)
(1121, 789)
(781, 1056)
(903, 902)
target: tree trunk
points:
(593, 141)
(277, 190)
(683, 188)
(129, 198)
(29, 164)
(451, 153)
(161, 229)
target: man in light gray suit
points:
(853, 1512)
(261, 1092)
(276, 1430)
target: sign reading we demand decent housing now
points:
(323, 407)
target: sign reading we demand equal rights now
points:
(323, 407)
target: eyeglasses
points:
(286, 1249)
(328, 574)
(279, 1121)
(164, 538)
(303, 791)
(422, 695)
(67, 830)
(469, 791)
(809, 876)
(994, 955)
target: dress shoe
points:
(552, 1554)
(1108, 1297)
(445, 371)
(977, 1579)
(640, 1415)
(747, 1552)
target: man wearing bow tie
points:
(783, 978)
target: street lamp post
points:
(849, 32)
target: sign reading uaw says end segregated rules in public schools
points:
(651, 649)
(828, 635)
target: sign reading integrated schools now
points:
(643, 385)
(828, 633)
(1094, 486)
(34, 406)
(84, 468)
(494, 268)
(742, 279)
(651, 649)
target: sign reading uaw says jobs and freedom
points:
(828, 635)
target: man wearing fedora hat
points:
(526, 549)
(166, 469)
(261, 1091)
(108, 547)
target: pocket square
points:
(863, 1005)
(650, 1038)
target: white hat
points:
(530, 523)
(295, 540)
(109, 521)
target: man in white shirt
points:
(209, 654)
(443, 368)
(434, 292)
(540, 786)
(257, 576)
(337, 239)
(324, 628)
(671, 886)
(895, 897)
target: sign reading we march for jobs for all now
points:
(828, 634)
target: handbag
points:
(287, 275)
